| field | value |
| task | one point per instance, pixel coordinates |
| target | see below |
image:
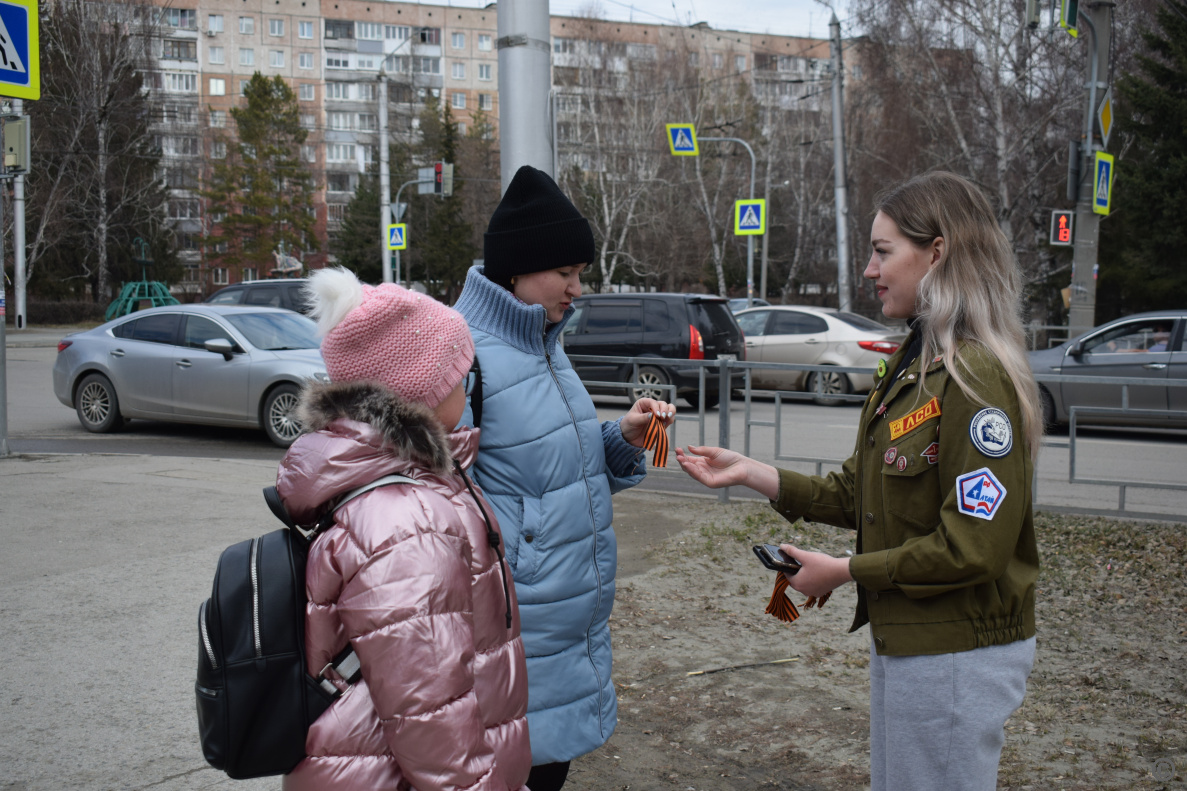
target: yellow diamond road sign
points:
(1104, 117)
(20, 57)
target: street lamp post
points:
(387, 275)
(749, 239)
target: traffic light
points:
(1061, 228)
(1032, 14)
(443, 178)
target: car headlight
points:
(322, 376)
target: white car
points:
(815, 336)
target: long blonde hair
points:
(973, 293)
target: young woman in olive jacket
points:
(939, 491)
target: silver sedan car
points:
(815, 336)
(218, 365)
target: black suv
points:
(277, 293)
(668, 327)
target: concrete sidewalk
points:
(34, 337)
(106, 560)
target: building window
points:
(458, 71)
(739, 63)
(335, 213)
(365, 62)
(459, 101)
(694, 59)
(179, 50)
(218, 118)
(214, 23)
(247, 57)
(219, 275)
(304, 30)
(308, 121)
(484, 71)
(428, 35)
(181, 18)
(243, 87)
(484, 42)
(397, 32)
(305, 60)
(250, 273)
(369, 31)
(179, 82)
(718, 60)
(641, 51)
(218, 149)
(425, 65)
(342, 62)
(366, 91)
(247, 25)
(184, 209)
(368, 122)
(215, 55)
(485, 102)
(339, 120)
(563, 46)
(305, 92)
(461, 127)
(457, 40)
(275, 27)
(276, 58)
(338, 182)
(339, 28)
(340, 152)
(218, 86)
(180, 146)
(338, 90)
(308, 153)
(396, 64)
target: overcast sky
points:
(781, 17)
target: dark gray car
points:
(220, 365)
(1145, 345)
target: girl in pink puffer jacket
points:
(412, 574)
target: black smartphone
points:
(775, 559)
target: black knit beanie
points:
(534, 228)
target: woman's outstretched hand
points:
(717, 467)
(634, 423)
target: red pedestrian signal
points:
(438, 177)
(1061, 228)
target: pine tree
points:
(1143, 240)
(261, 191)
(356, 244)
(448, 250)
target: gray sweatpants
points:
(937, 722)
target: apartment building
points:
(332, 53)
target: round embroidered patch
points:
(890, 455)
(902, 463)
(991, 432)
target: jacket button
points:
(871, 440)
(869, 518)
(880, 643)
(528, 538)
(874, 595)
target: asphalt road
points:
(39, 424)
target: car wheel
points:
(651, 380)
(97, 405)
(1050, 422)
(279, 415)
(831, 384)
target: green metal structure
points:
(139, 291)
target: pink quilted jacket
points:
(408, 576)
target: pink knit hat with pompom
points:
(410, 342)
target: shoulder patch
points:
(980, 493)
(911, 422)
(991, 432)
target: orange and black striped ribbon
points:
(782, 607)
(657, 440)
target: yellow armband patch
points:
(911, 422)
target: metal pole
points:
(723, 416)
(525, 85)
(1082, 307)
(749, 239)
(3, 340)
(18, 238)
(839, 179)
(398, 192)
(385, 181)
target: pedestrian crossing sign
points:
(20, 59)
(1102, 183)
(682, 139)
(397, 238)
(750, 217)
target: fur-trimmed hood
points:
(410, 428)
(357, 432)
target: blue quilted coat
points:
(548, 467)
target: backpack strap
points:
(476, 393)
(272, 498)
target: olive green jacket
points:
(940, 495)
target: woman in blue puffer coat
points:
(548, 466)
